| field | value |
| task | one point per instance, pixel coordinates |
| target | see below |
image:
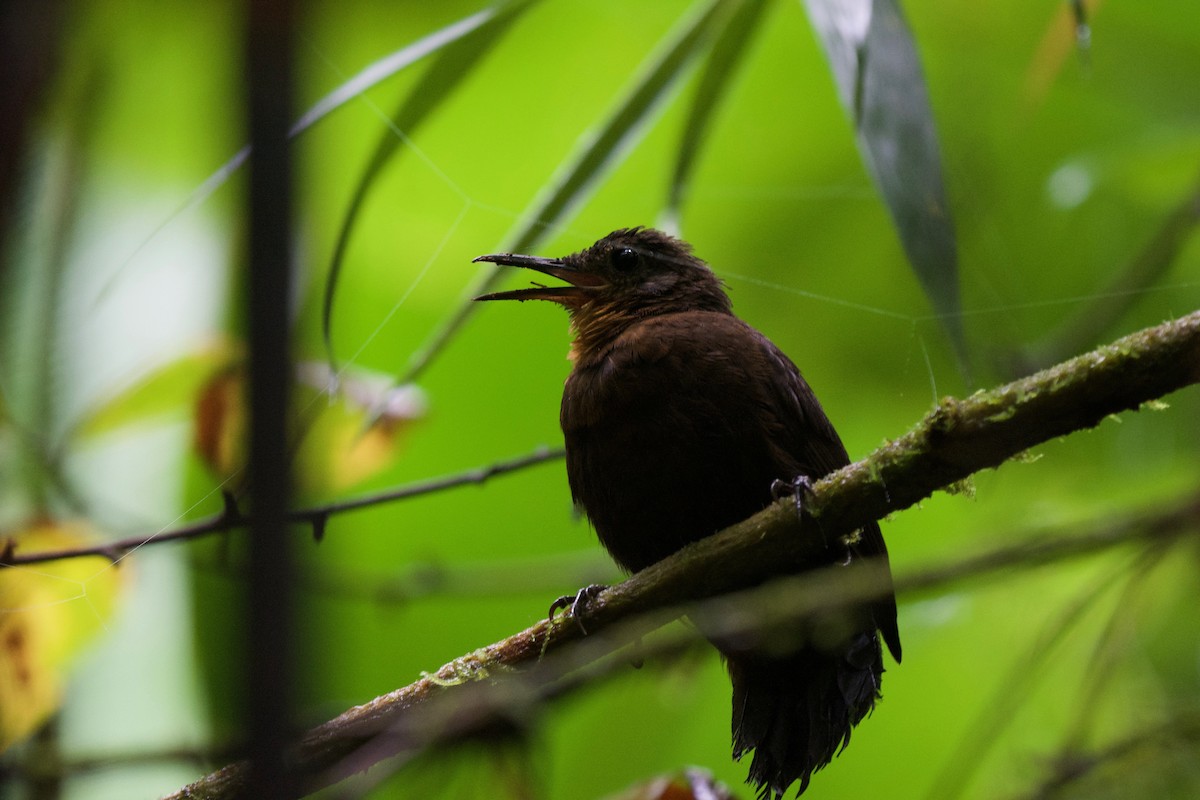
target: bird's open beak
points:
(582, 284)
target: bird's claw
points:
(577, 603)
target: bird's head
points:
(628, 275)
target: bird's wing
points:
(809, 440)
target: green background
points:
(1060, 166)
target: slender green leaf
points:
(722, 62)
(879, 79)
(384, 68)
(457, 58)
(603, 147)
(170, 389)
(601, 150)
(371, 75)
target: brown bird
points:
(679, 420)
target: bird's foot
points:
(577, 603)
(798, 488)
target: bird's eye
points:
(626, 259)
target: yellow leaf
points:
(47, 613)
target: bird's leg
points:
(577, 603)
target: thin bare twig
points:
(230, 518)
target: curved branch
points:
(955, 440)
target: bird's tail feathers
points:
(796, 711)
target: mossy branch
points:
(955, 440)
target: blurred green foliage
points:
(1062, 164)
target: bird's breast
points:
(665, 440)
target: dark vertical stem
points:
(31, 38)
(269, 36)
